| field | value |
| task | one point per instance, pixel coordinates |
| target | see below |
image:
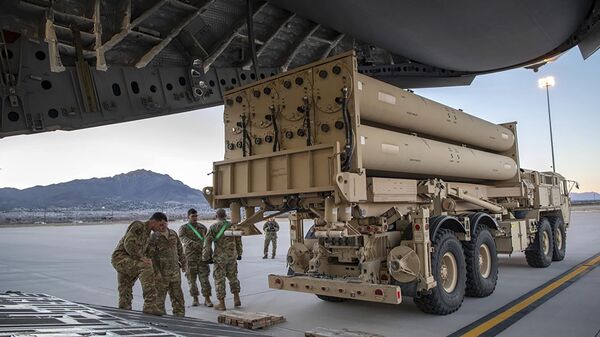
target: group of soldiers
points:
(155, 254)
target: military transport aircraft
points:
(72, 64)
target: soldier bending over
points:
(166, 252)
(130, 263)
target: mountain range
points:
(128, 191)
(584, 196)
(123, 191)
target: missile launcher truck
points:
(406, 196)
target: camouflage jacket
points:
(135, 241)
(226, 247)
(271, 228)
(192, 244)
(166, 252)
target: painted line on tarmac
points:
(499, 320)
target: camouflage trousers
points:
(171, 284)
(270, 238)
(198, 270)
(128, 271)
(226, 268)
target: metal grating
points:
(32, 315)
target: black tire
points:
(481, 283)
(331, 298)
(535, 254)
(438, 300)
(559, 235)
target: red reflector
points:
(277, 281)
(398, 294)
(378, 292)
(417, 227)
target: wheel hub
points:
(449, 272)
(559, 239)
(545, 243)
(485, 261)
(444, 273)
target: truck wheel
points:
(539, 253)
(560, 239)
(331, 298)
(482, 263)
(450, 273)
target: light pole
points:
(548, 82)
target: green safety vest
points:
(195, 231)
(226, 225)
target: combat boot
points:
(265, 257)
(273, 256)
(220, 305)
(195, 303)
(236, 300)
(207, 301)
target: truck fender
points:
(445, 221)
(484, 219)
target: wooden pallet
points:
(326, 332)
(250, 320)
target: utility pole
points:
(548, 82)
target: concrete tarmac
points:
(73, 262)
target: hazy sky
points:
(185, 145)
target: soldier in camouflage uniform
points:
(228, 249)
(130, 262)
(166, 252)
(192, 235)
(271, 227)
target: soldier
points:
(166, 252)
(227, 250)
(129, 261)
(192, 235)
(271, 227)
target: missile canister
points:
(389, 105)
(395, 152)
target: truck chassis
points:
(394, 212)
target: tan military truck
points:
(406, 196)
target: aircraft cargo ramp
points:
(27, 314)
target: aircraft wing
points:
(68, 64)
